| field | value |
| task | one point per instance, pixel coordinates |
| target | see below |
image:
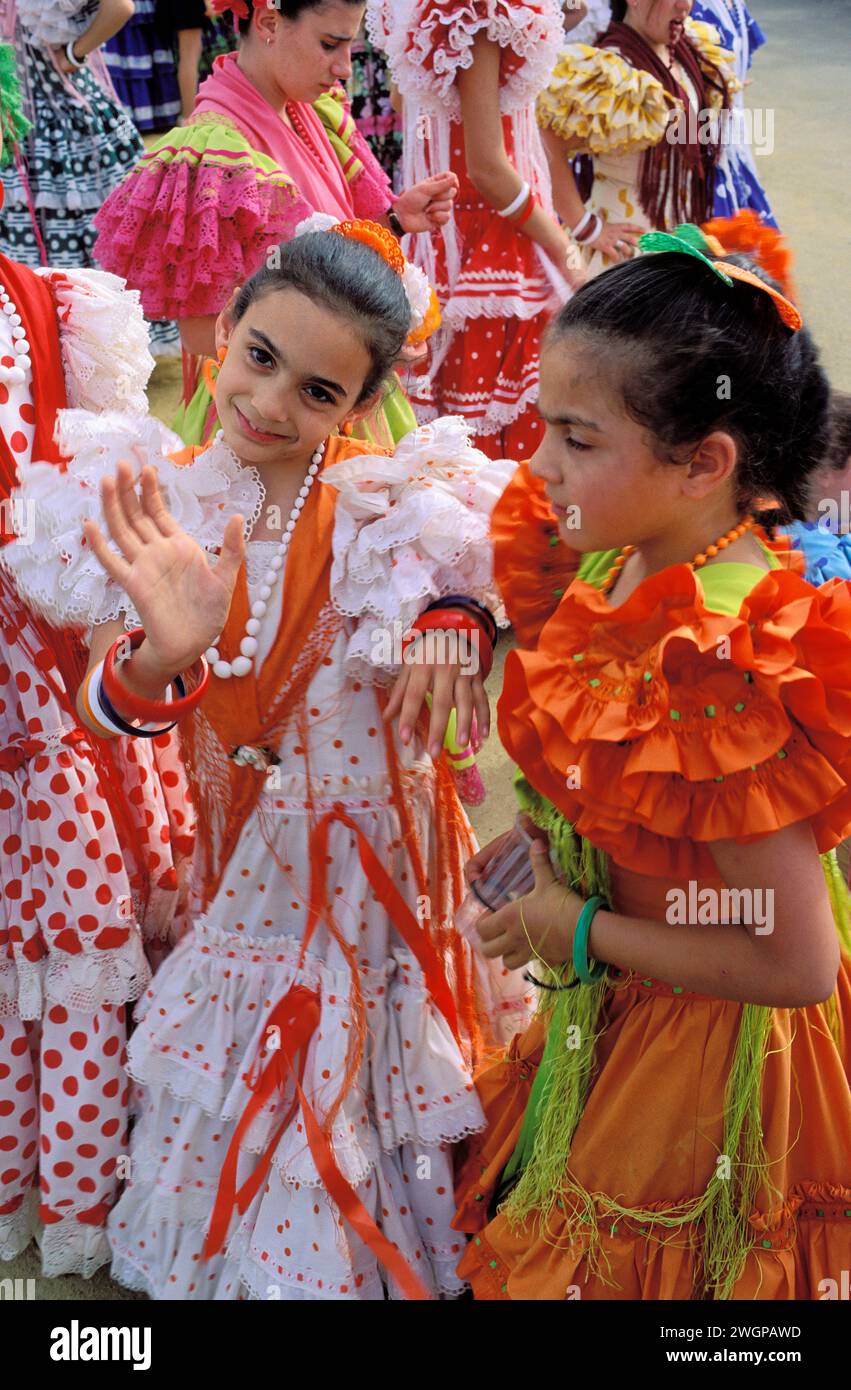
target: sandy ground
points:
(802, 77)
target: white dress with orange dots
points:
(413, 532)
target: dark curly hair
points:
(689, 354)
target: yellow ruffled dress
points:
(607, 108)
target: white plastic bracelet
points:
(598, 231)
(71, 55)
(521, 198)
(577, 231)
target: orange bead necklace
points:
(700, 558)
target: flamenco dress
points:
(687, 1147)
(496, 291)
(202, 209)
(323, 897)
(95, 841)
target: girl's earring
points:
(213, 364)
(347, 429)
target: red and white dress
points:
(73, 898)
(496, 290)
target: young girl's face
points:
(605, 483)
(293, 373)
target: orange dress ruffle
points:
(675, 748)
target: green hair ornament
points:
(688, 239)
(13, 122)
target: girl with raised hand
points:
(676, 1123)
(269, 142)
(304, 1053)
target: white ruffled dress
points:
(71, 923)
(407, 529)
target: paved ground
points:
(802, 76)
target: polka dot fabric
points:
(498, 307)
(201, 1021)
(71, 948)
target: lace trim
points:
(17, 1228)
(104, 341)
(426, 48)
(84, 982)
(57, 574)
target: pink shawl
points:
(320, 180)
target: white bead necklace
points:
(242, 664)
(16, 375)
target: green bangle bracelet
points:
(580, 943)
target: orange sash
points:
(252, 709)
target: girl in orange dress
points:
(676, 1121)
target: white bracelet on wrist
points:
(588, 229)
(517, 204)
(71, 55)
(577, 231)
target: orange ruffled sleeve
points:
(532, 565)
(686, 725)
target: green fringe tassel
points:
(13, 122)
(539, 1168)
(840, 902)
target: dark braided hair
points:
(689, 355)
(349, 279)
(289, 9)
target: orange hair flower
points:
(430, 324)
(372, 234)
(746, 232)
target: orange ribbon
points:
(403, 919)
(297, 1018)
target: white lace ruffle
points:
(407, 31)
(81, 982)
(407, 530)
(70, 1246)
(50, 22)
(18, 1227)
(104, 340)
(52, 566)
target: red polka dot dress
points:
(202, 1020)
(71, 950)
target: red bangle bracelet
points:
(454, 620)
(527, 211)
(135, 706)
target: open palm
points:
(182, 602)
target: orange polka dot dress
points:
(202, 1020)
